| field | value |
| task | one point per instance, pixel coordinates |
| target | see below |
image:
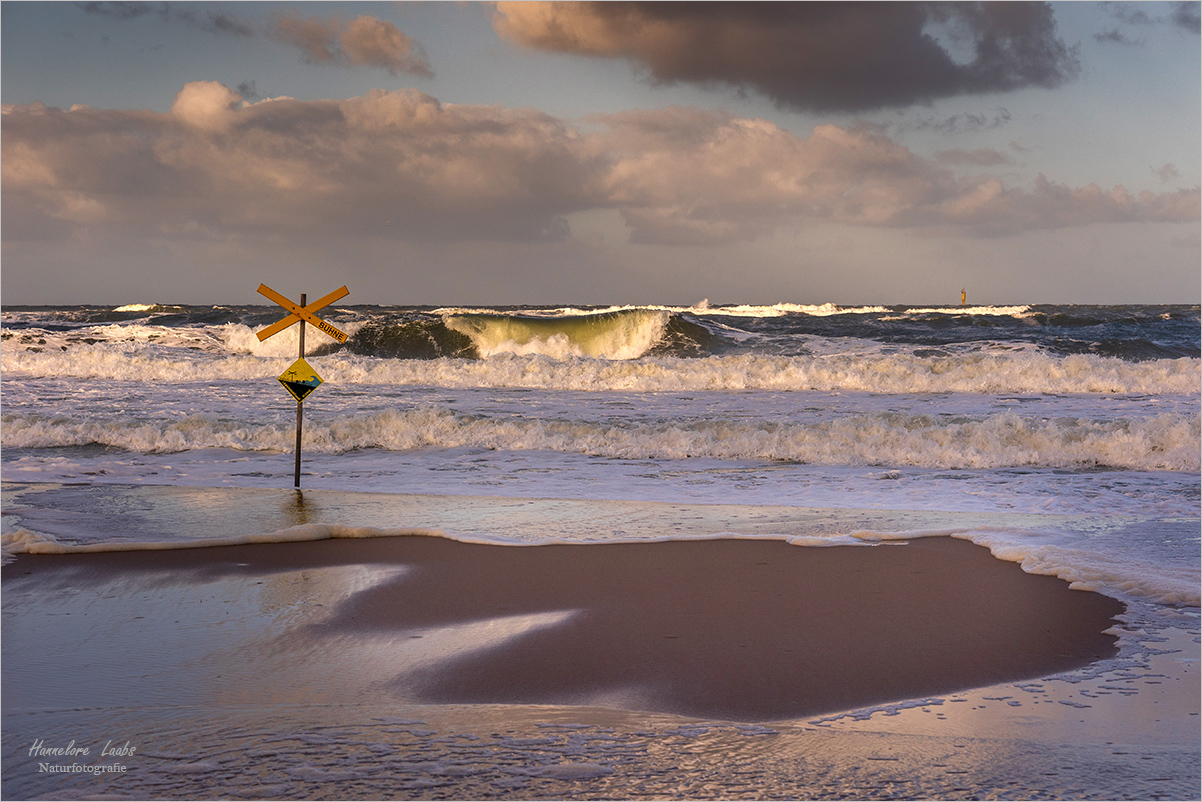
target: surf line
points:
(300, 379)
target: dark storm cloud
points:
(812, 56)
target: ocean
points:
(1065, 438)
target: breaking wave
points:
(143, 308)
(623, 334)
(1002, 371)
(1134, 334)
(611, 335)
(1168, 441)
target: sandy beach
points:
(423, 667)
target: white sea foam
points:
(1168, 441)
(999, 311)
(701, 308)
(24, 541)
(1012, 371)
(782, 309)
(132, 339)
(766, 310)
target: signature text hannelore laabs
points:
(40, 750)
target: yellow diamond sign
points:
(300, 379)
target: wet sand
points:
(741, 630)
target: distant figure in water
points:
(963, 296)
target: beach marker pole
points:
(300, 379)
(300, 404)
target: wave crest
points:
(1169, 441)
(1006, 372)
(609, 335)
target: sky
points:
(601, 153)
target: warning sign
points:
(300, 379)
(302, 313)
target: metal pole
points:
(300, 405)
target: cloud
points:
(811, 56)
(362, 42)
(1183, 15)
(124, 10)
(687, 177)
(1117, 37)
(211, 21)
(214, 22)
(403, 166)
(1168, 173)
(1130, 14)
(317, 38)
(1186, 15)
(208, 105)
(389, 164)
(991, 209)
(981, 158)
(958, 123)
(371, 42)
(248, 91)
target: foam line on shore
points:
(24, 541)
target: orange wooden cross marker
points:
(302, 313)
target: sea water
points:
(1054, 410)
(1064, 438)
(1058, 410)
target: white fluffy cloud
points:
(403, 165)
(206, 104)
